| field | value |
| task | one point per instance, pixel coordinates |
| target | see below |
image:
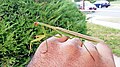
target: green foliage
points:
(111, 0)
(77, 0)
(17, 28)
(92, 1)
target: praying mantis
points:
(66, 33)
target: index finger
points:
(58, 38)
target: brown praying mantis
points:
(66, 33)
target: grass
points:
(109, 35)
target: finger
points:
(61, 38)
(106, 54)
(91, 49)
(104, 50)
(74, 41)
(71, 46)
(51, 43)
(58, 38)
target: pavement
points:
(104, 23)
(117, 60)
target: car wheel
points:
(106, 6)
(93, 11)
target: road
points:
(112, 14)
(112, 11)
(117, 60)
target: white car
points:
(87, 6)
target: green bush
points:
(17, 28)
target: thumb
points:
(106, 54)
(104, 50)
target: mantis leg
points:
(37, 39)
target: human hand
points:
(65, 52)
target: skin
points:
(65, 52)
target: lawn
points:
(109, 35)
